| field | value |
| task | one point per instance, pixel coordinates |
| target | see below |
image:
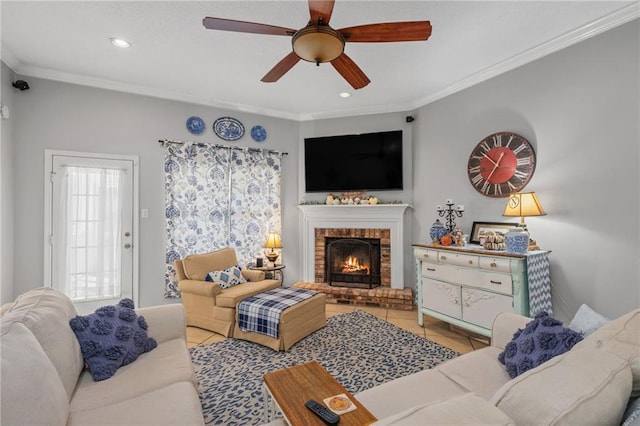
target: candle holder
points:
(450, 214)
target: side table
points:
(291, 387)
(271, 271)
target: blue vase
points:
(517, 241)
(437, 231)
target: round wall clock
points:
(500, 164)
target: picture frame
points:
(478, 227)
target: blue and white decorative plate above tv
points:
(195, 125)
(228, 128)
(258, 133)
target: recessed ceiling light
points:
(118, 42)
(345, 94)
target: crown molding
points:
(606, 23)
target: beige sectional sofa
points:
(44, 380)
(206, 304)
(589, 385)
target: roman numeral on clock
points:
(519, 149)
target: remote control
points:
(328, 416)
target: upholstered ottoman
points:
(296, 322)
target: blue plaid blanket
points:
(261, 313)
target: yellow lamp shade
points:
(523, 204)
(273, 241)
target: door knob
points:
(127, 246)
(127, 234)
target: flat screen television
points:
(362, 162)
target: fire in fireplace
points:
(352, 262)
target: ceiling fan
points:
(318, 42)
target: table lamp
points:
(524, 204)
(273, 242)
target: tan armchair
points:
(208, 306)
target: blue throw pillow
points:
(111, 337)
(540, 340)
(227, 277)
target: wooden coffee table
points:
(293, 386)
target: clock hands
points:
(495, 165)
(489, 158)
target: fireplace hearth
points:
(353, 262)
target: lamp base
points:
(272, 256)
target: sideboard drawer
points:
(500, 283)
(451, 258)
(495, 264)
(428, 255)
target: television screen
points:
(368, 161)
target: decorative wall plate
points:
(195, 125)
(258, 133)
(228, 128)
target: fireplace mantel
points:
(378, 216)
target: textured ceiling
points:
(173, 56)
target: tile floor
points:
(435, 330)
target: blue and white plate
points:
(258, 133)
(228, 128)
(195, 125)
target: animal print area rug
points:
(357, 348)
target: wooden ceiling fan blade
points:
(281, 68)
(321, 9)
(387, 32)
(350, 71)
(245, 27)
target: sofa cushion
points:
(31, 389)
(584, 386)
(479, 371)
(408, 391)
(227, 277)
(175, 404)
(467, 409)
(586, 320)
(111, 337)
(46, 312)
(197, 266)
(167, 364)
(621, 337)
(230, 297)
(539, 341)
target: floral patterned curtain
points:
(218, 197)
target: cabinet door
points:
(441, 297)
(481, 307)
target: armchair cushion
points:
(227, 277)
(197, 266)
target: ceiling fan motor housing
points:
(318, 43)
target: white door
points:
(91, 232)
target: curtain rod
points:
(216, 145)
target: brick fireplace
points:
(384, 222)
(378, 268)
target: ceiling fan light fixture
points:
(318, 43)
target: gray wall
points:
(54, 115)
(6, 187)
(578, 107)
